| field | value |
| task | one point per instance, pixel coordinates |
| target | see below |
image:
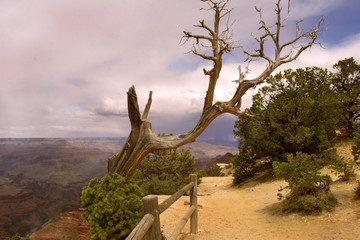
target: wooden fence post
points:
(193, 202)
(151, 206)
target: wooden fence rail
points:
(149, 226)
(141, 229)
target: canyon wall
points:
(42, 178)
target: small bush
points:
(112, 207)
(357, 191)
(355, 150)
(310, 204)
(15, 237)
(157, 186)
(345, 169)
(165, 172)
(213, 171)
(244, 166)
(309, 190)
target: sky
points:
(65, 66)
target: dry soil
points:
(253, 212)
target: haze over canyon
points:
(40, 178)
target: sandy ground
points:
(253, 212)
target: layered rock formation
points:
(42, 178)
(70, 226)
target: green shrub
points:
(310, 204)
(165, 171)
(309, 190)
(112, 207)
(296, 111)
(357, 191)
(213, 171)
(345, 169)
(345, 83)
(243, 165)
(355, 150)
(15, 237)
(160, 187)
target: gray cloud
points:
(66, 66)
(109, 112)
(78, 82)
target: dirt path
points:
(253, 212)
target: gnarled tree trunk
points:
(142, 140)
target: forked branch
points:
(217, 40)
(211, 46)
(272, 34)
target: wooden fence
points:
(149, 226)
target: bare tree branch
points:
(274, 34)
(142, 140)
(147, 107)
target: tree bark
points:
(142, 140)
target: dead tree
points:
(142, 140)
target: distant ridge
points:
(43, 177)
(215, 141)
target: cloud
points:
(326, 57)
(308, 8)
(110, 107)
(66, 66)
(77, 82)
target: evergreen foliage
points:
(346, 82)
(213, 171)
(15, 237)
(165, 171)
(344, 168)
(309, 190)
(296, 111)
(356, 137)
(357, 190)
(243, 165)
(112, 207)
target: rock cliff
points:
(42, 178)
(70, 226)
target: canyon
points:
(42, 178)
